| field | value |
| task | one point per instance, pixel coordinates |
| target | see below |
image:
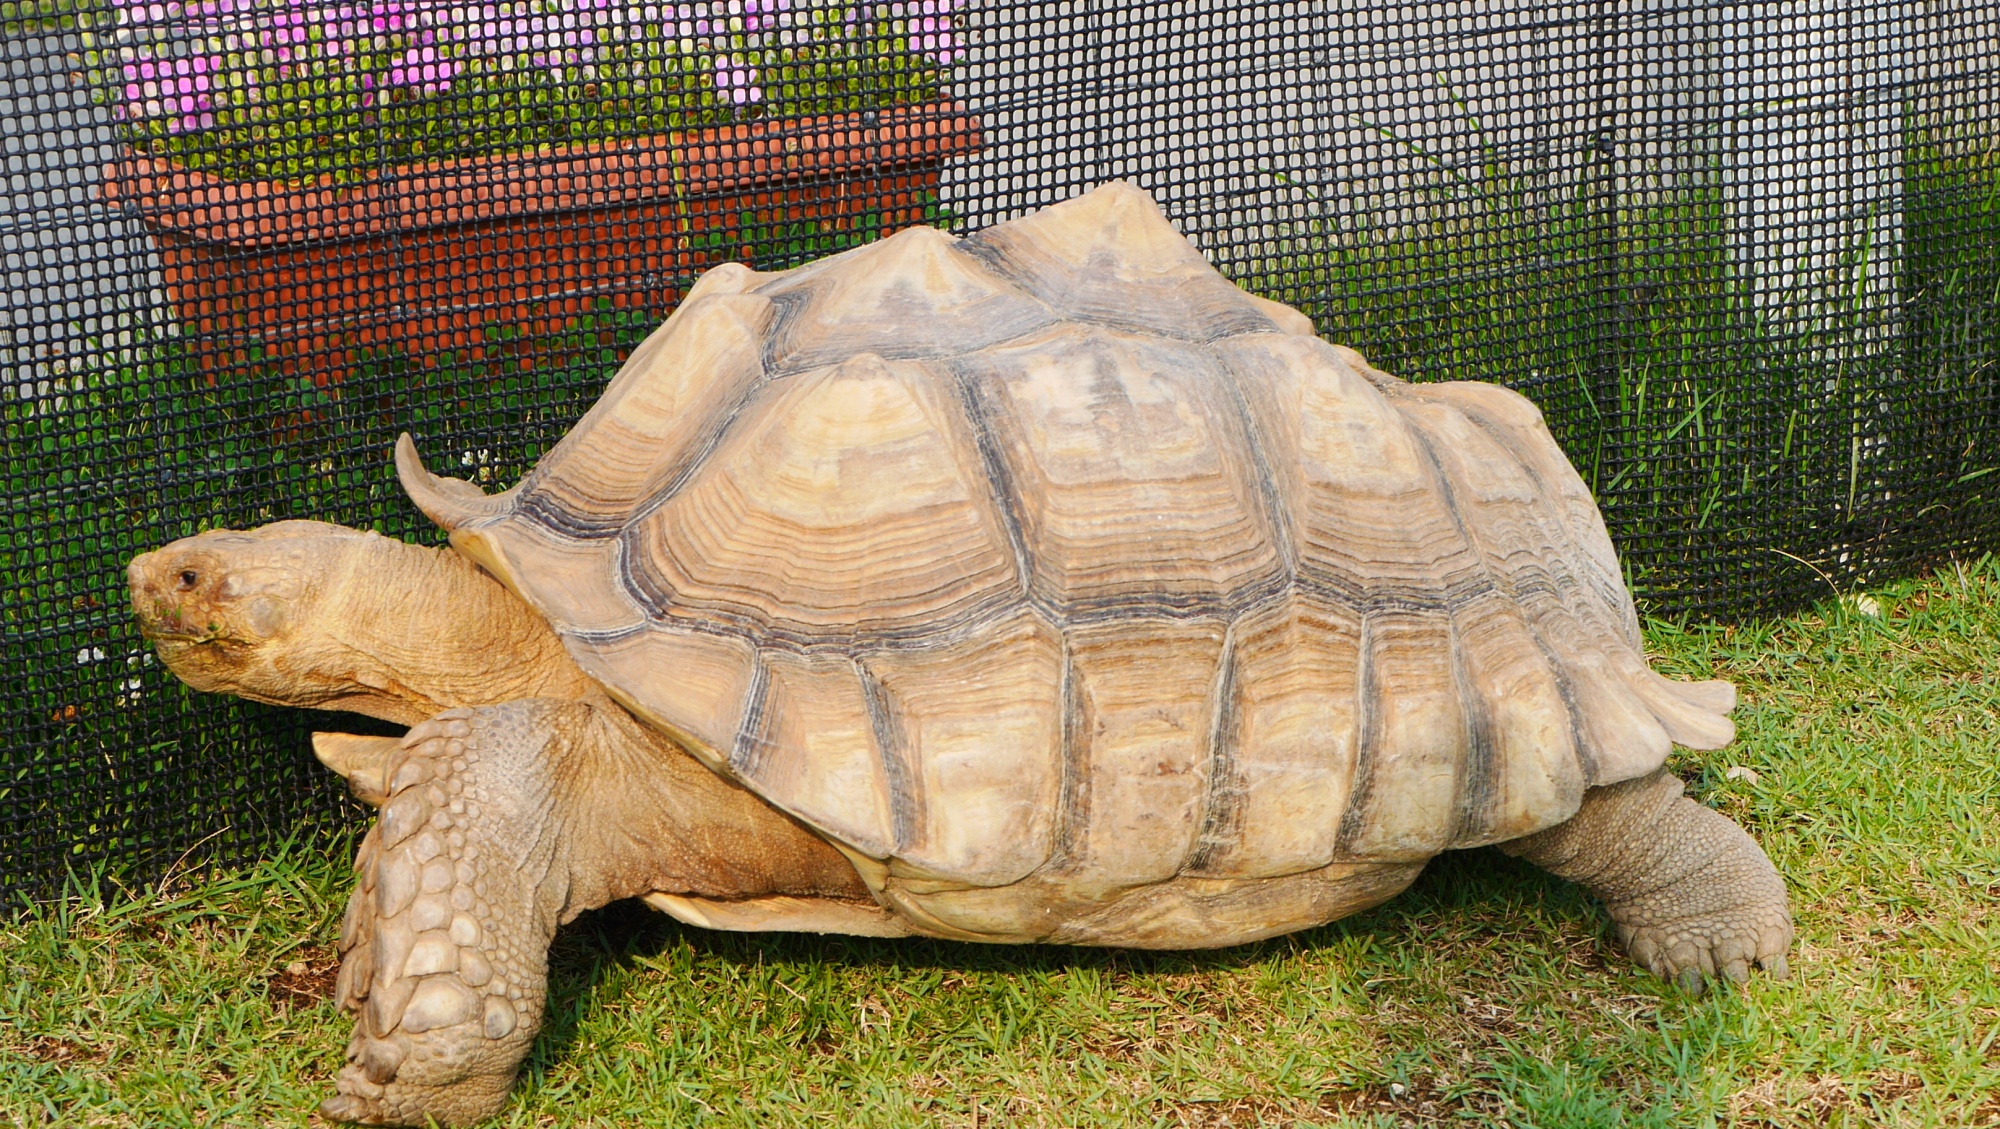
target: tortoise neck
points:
(422, 630)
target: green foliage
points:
(1951, 288)
(333, 119)
(1732, 457)
(19, 17)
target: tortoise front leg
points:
(462, 882)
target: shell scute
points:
(915, 295)
(1136, 781)
(1128, 471)
(666, 405)
(696, 686)
(1361, 494)
(1287, 741)
(1414, 738)
(810, 741)
(847, 506)
(1111, 258)
(981, 718)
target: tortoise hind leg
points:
(461, 885)
(1692, 894)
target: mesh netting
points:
(1747, 258)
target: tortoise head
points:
(303, 613)
(235, 612)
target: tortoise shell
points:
(1046, 564)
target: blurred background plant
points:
(293, 89)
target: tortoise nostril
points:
(189, 578)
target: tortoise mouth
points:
(167, 624)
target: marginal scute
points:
(525, 549)
(813, 750)
(450, 502)
(981, 719)
(1415, 732)
(1528, 774)
(1289, 741)
(692, 685)
(1146, 694)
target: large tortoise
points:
(1036, 586)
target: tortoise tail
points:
(450, 502)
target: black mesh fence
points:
(1746, 257)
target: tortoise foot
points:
(1694, 898)
(401, 1103)
(444, 947)
(1723, 913)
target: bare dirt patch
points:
(305, 981)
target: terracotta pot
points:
(428, 258)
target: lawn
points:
(1489, 994)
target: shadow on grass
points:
(1459, 895)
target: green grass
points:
(1488, 994)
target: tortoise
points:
(1039, 585)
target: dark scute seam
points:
(1585, 758)
(1496, 581)
(1222, 815)
(1277, 516)
(1073, 796)
(747, 752)
(994, 257)
(737, 621)
(1381, 596)
(999, 476)
(885, 716)
(696, 455)
(1367, 748)
(1477, 789)
(934, 633)
(545, 510)
(786, 306)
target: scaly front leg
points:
(462, 883)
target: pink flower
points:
(183, 88)
(424, 67)
(737, 81)
(928, 25)
(758, 15)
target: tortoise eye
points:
(188, 578)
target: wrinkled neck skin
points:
(409, 632)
